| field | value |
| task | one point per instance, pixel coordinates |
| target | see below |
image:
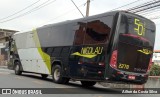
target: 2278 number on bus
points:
(123, 66)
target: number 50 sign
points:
(140, 27)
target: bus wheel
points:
(17, 68)
(88, 83)
(44, 76)
(57, 74)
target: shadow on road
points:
(77, 88)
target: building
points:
(156, 57)
(4, 35)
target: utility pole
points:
(87, 9)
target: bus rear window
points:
(137, 27)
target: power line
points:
(43, 5)
(150, 12)
(126, 5)
(66, 12)
(150, 5)
(20, 10)
(30, 11)
(149, 8)
(140, 6)
(47, 3)
(77, 8)
(110, 10)
(146, 7)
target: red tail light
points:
(113, 61)
(150, 65)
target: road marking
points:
(38, 82)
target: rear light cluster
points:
(150, 65)
(131, 77)
(113, 60)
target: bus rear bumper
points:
(128, 77)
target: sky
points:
(24, 15)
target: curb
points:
(154, 76)
(4, 67)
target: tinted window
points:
(80, 30)
(139, 27)
(95, 31)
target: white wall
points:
(156, 58)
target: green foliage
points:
(155, 70)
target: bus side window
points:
(98, 30)
(65, 52)
(79, 33)
(56, 51)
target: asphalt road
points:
(27, 80)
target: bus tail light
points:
(113, 60)
(131, 77)
(150, 65)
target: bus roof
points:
(85, 18)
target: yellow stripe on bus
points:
(44, 56)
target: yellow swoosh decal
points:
(84, 55)
(143, 52)
(44, 55)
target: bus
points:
(110, 47)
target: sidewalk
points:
(4, 67)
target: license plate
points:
(131, 77)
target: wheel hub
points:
(57, 74)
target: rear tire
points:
(88, 83)
(17, 68)
(44, 76)
(57, 75)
